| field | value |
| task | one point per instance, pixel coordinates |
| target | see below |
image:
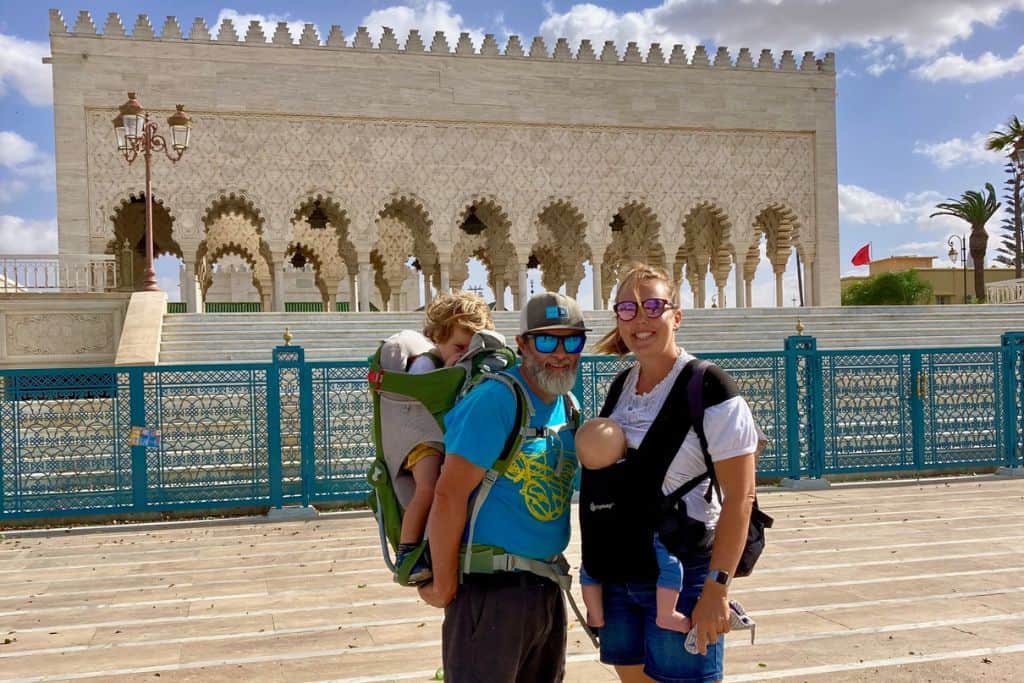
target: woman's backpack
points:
(682, 534)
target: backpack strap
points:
(695, 401)
(614, 391)
(524, 413)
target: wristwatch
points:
(719, 576)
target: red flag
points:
(863, 256)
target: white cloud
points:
(427, 16)
(21, 67)
(268, 22)
(859, 205)
(918, 27)
(11, 189)
(955, 67)
(888, 63)
(15, 150)
(864, 207)
(959, 152)
(22, 236)
(23, 166)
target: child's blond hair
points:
(458, 308)
(636, 273)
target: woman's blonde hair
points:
(636, 273)
(458, 308)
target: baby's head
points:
(452, 320)
(600, 443)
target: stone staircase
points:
(249, 337)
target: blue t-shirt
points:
(527, 510)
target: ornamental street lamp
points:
(136, 134)
(962, 254)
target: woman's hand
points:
(711, 615)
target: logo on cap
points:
(556, 312)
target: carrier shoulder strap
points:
(614, 391)
(695, 400)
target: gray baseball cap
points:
(551, 311)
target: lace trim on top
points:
(659, 392)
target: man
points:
(509, 625)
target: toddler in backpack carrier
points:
(407, 432)
(601, 443)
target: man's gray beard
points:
(551, 381)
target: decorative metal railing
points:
(35, 273)
(296, 432)
(1005, 292)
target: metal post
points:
(149, 285)
(1013, 391)
(804, 347)
(137, 411)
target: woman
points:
(617, 517)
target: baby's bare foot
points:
(674, 622)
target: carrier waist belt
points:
(488, 560)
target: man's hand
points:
(430, 595)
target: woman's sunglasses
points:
(547, 343)
(627, 310)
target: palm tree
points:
(975, 209)
(1009, 140)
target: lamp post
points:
(136, 135)
(962, 254)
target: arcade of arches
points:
(407, 255)
(571, 202)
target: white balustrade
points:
(35, 273)
(1006, 292)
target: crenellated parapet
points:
(461, 46)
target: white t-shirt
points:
(729, 427)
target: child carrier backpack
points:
(409, 410)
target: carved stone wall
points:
(442, 129)
(60, 330)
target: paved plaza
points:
(910, 582)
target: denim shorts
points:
(631, 636)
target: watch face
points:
(719, 576)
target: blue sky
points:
(920, 83)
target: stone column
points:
(277, 302)
(365, 282)
(395, 301)
(778, 287)
(352, 304)
(444, 262)
(740, 287)
(190, 289)
(596, 263)
(748, 285)
(524, 288)
(721, 295)
(810, 298)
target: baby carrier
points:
(409, 410)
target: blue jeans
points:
(631, 636)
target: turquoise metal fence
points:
(296, 432)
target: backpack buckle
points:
(374, 378)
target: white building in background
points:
(440, 150)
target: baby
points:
(601, 443)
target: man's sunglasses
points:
(547, 343)
(627, 310)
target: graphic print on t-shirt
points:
(546, 490)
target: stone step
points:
(249, 337)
